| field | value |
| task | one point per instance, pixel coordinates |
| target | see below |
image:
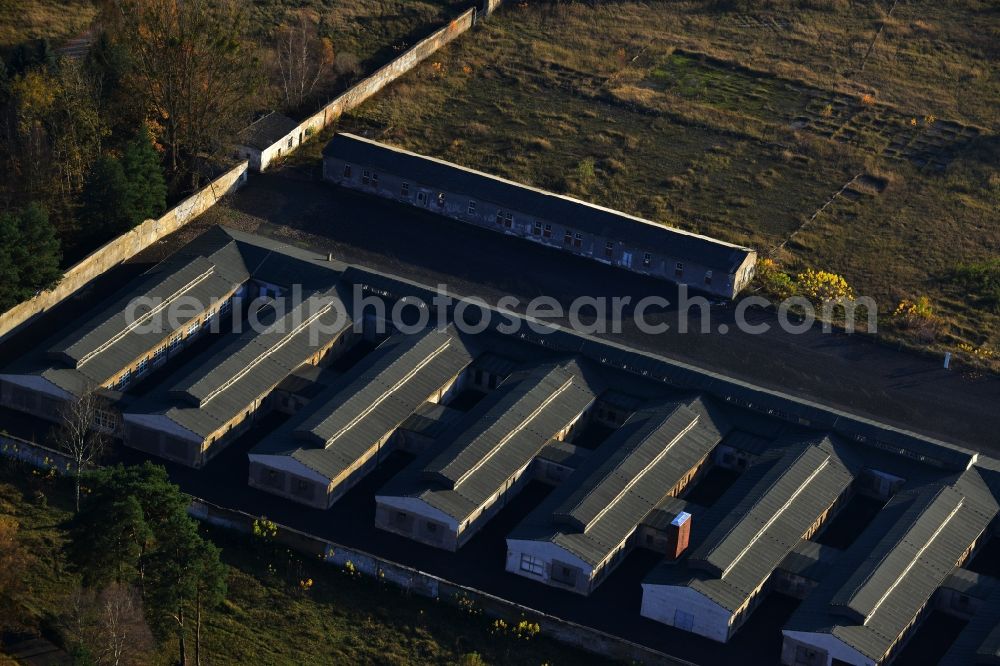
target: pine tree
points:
(171, 583)
(9, 270)
(134, 527)
(36, 253)
(147, 187)
(119, 194)
(107, 200)
(210, 588)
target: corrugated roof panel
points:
(646, 445)
(646, 433)
(888, 566)
(261, 353)
(404, 375)
(765, 511)
(531, 405)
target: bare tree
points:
(125, 637)
(194, 66)
(303, 61)
(78, 434)
(109, 625)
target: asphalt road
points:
(850, 372)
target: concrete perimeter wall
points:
(402, 576)
(122, 248)
(36, 455)
(134, 241)
(433, 587)
(368, 86)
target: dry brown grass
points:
(635, 125)
(55, 20)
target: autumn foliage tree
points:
(193, 64)
(50, 133)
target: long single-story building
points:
(219, 395)
(584, 528)
(749, 496)
(344, 432)
(782, 499)
(558, 221)
(148, 329)
(145, 325)
(449, 494)
(868, 604)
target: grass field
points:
(364, 34)
(55, 20)
(266, 617)
(742, 126)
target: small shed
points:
(268, 138)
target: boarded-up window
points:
(271, 478)
(303, 489)
(564, 573)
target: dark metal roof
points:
(503, 434)
(266, 130)
(628, 477)
(773, 516)
(641, 444)
(215, 387)
(264, 356)
(888, 564)
(564, 453)
(341, 425)
(809, 560)
(761, 518)
(877, 587)
(544, 205)
(431, 420)
(540, 403)
(117, 336)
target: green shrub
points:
(982, 282)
